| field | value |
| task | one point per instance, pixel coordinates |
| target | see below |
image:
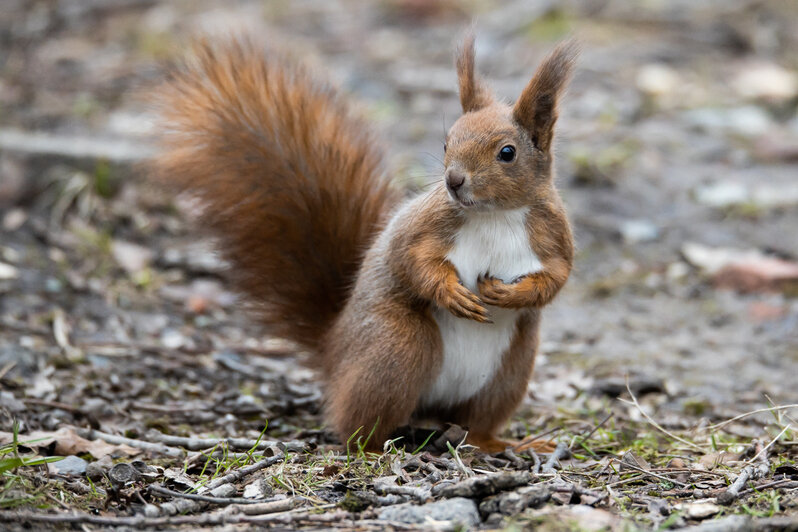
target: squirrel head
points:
(499, 156)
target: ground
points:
(122, 349)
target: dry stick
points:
(8, 367)
(199, 444)
(766, 447)
(238, 474)
(535, 462)
(652, 474)
(92, 434)
(589, 434)
(654, 423)
(160, 490)
(512, 457)
(751, 413)
(419, 494)
(749, 472)
(783, 483)
(559, 452)
(208, 519)
(51, 404)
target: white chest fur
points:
(494, 243)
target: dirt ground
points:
(677, 160)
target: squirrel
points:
(425, 308)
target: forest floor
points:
(137, 391)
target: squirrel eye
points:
(507, 154)
(444, 147)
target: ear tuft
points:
(473, 93)
(536, 108)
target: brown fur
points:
(292, 184)
(289, 179)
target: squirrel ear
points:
(536, 108)
(473, 93)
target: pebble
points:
(657, 79)
(638, 230)
(700, 510)
(71, 466)
(767, 81)
(173, 339)
(7, 272)
(747, 120)
(456, 510)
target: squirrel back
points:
(288, 178)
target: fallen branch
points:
(647, 472)
(561, 451)
(223, 501)
(238, 474)
(208, 519)
(751, 413)
(199, 444)
(92, 434)
(750, 472)
(483, 485)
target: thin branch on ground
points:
(654, 423)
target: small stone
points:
(225, 490)
(14, 219)
(766, 81)
(71, 466)
(97, 470)
(257, 490)
(657, 79)
(457, 511)
(131, 257)
(636, 230)
(700, 510)
(173, 339)
(7, 272)
(122, 474)
(722, 194)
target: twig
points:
(535, 461)
(512, 457)
(419, 494)
(766, 447)
(561, 451)
(749, 472)
(783, 483)
(651, 420)
(751, 413)
(199, 444)
(208, 519)
(92, 434)
(51, 404)
(589, 434)
(160, 490)
(238, 474)
(652, 474)
(8, 367)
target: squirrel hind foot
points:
(492, 445)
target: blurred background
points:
(677, 159)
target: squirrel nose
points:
(454, 180)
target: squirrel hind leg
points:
(379, 373)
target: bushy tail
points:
(289, 180)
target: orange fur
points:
(290, 180)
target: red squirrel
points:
(426, 308)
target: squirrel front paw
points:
(462, 302)
(498, 293)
